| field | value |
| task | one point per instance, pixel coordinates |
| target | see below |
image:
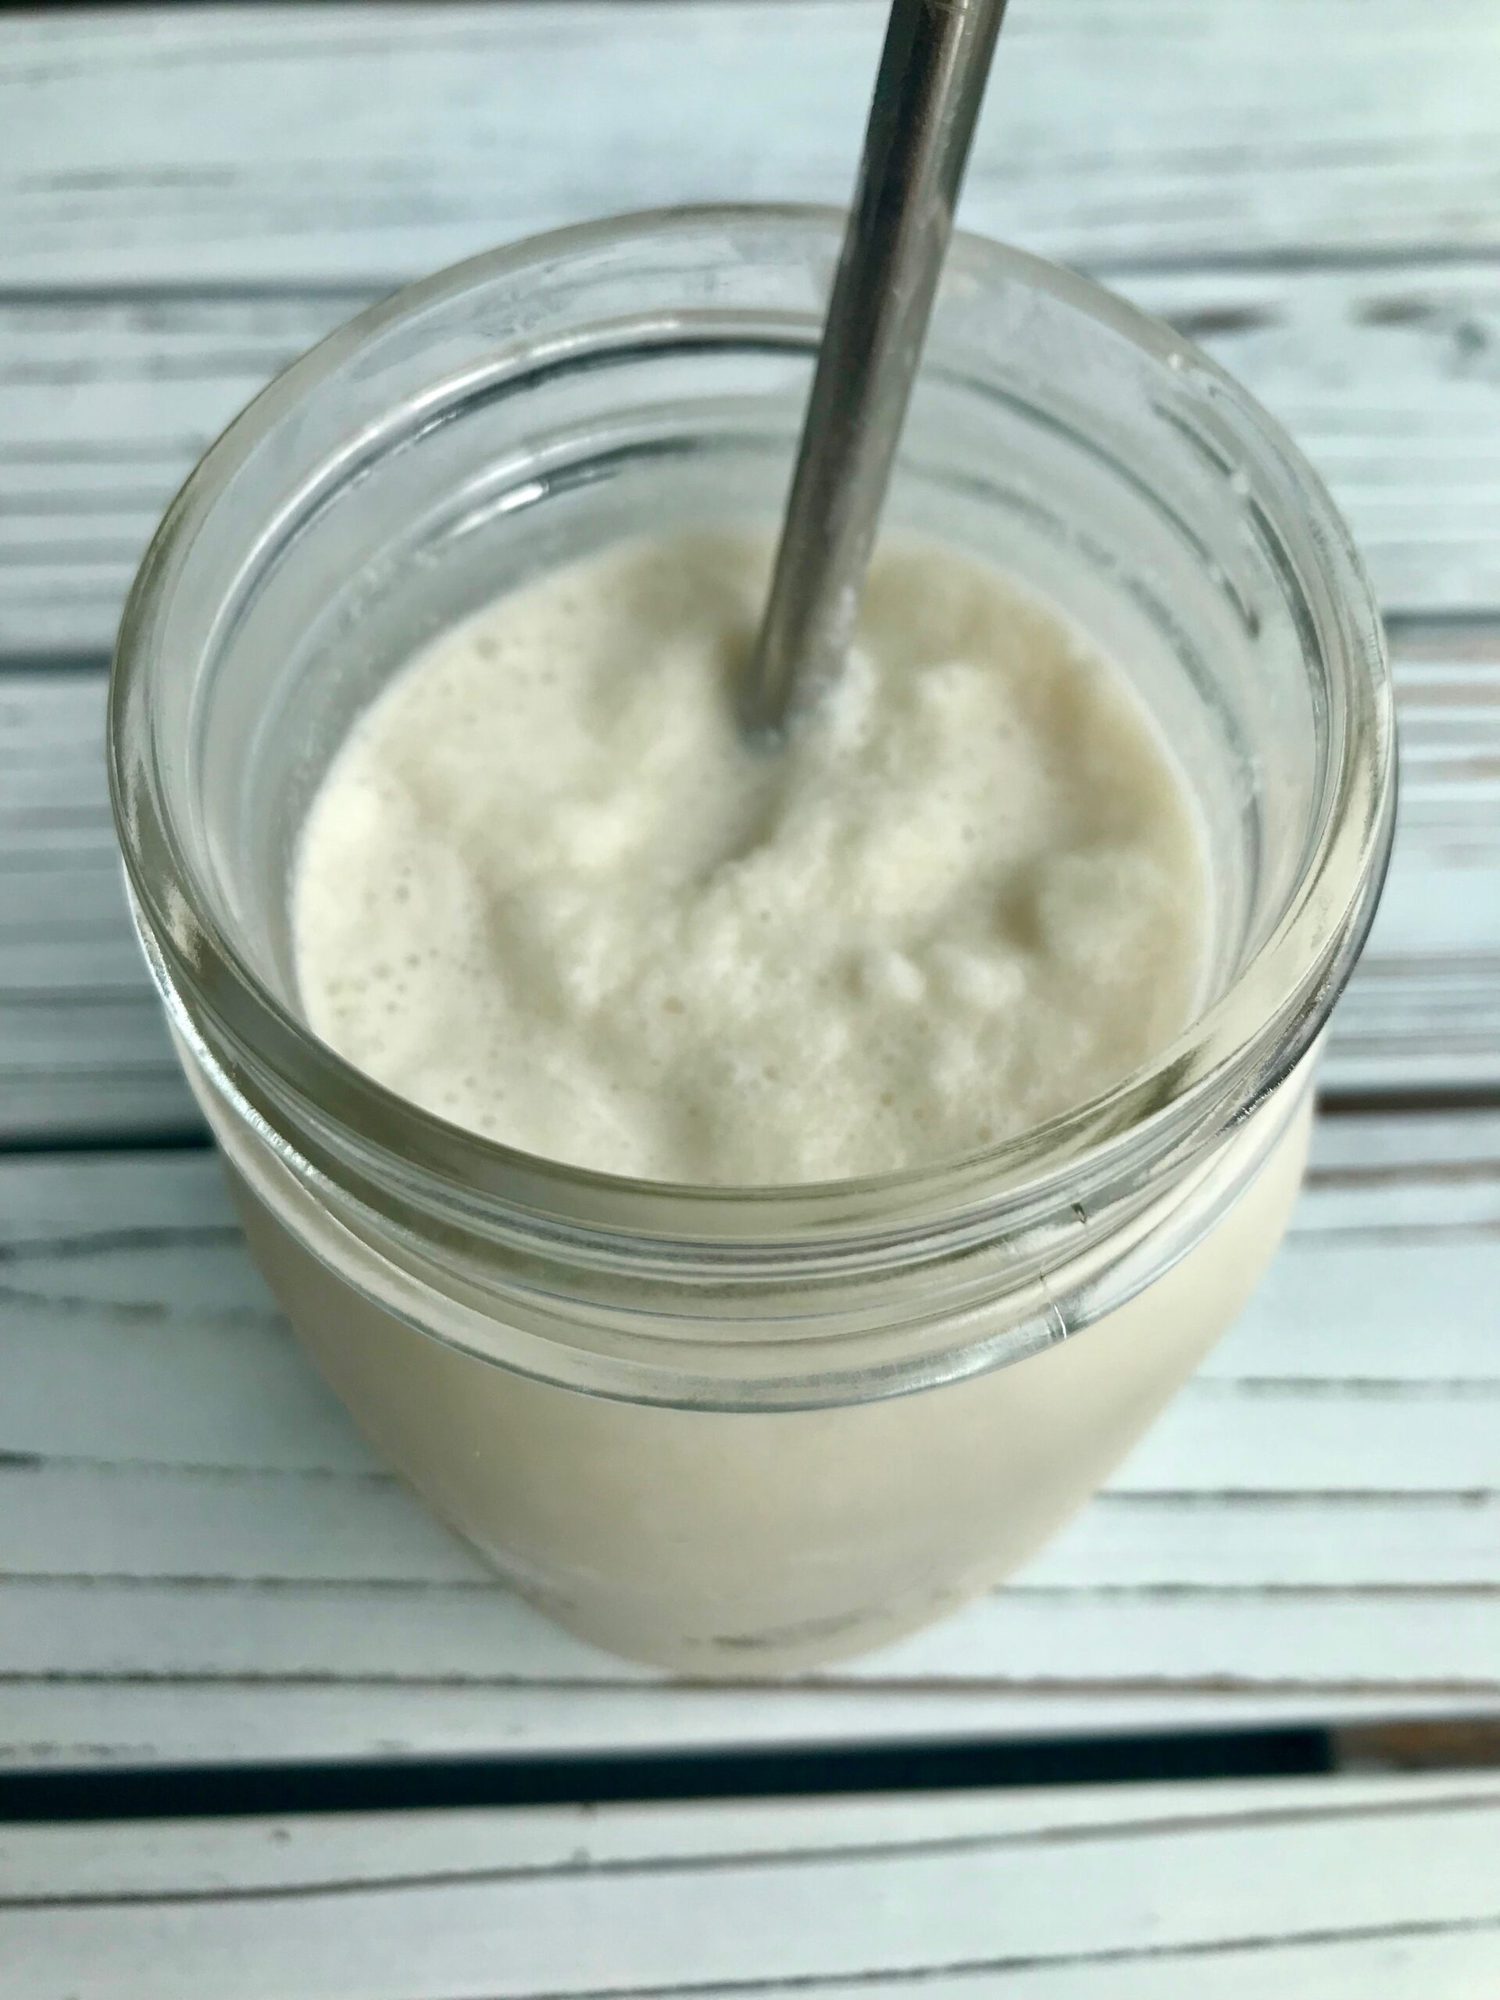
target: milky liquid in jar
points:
(722, 1426)
(549, 892)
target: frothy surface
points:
(547, 891)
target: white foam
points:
(548, 891)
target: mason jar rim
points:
(1225, 1061)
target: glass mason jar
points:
(737, 1430)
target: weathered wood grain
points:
(200, 1557)
(201, 1562)
(1389, 378)
(238, 146)
(1327, 1888)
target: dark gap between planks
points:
(71, 663)
(188, 1137)
(402, 1785)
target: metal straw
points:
(927, 95)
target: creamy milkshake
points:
(549, 890)
(755, 1193)
(734, 1543)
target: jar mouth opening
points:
(258, 1051)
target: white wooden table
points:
(202, 1565)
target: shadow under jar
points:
(736, 1430)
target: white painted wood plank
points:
(1386, 376)
(1440, 1963)
(85, 1522)
(202, 1558)
(193, 146)
(170, 1858)
(1321, 1644)
(60, 1724)
(1277, 1439)
(82, 1050)
(1323, 1887)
